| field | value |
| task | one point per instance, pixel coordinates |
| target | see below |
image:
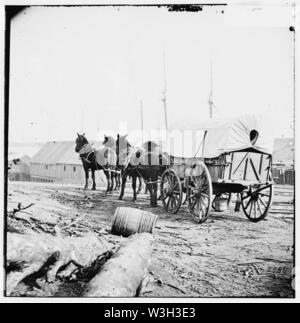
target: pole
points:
(293, 30)
(142, 121)
(165, 95)
(82, 120)
(211, 93)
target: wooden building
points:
(57, 162)
(19, 169)
(283, 161)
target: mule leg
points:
(146, 189)
(140, 185)
(119, 180)
(111, 183)
(149, 187)
(94, 181)
(86, 170)
(115, 181)
(107, 174)
(134, 188)
(112, 178)
(154, 194)
(123, 186)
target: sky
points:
(86, 69)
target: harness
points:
(85, 153)
(128, 157)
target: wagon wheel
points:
(257, 201)
(171, 191)
(227, 195)
(200, 195)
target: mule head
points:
(109, 141)
(105, 140)
(80, 142)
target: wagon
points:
(235, 158)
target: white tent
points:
(246, 132)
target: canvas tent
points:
(245, 132)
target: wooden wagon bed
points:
(245, 170)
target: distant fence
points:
(19, 177)
(284, 177)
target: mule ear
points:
(83, 134)
(125, 136)
(77, 134)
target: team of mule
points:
(120, 160)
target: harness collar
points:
(86, 149)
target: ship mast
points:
(165, 94)
(142, 122)
(210, 101)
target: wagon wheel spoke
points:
(259, 208)
(265, 195)
(203, 189)
(247, 196)
(199, 208)
(172, 203)
(205, 195)
(260, 200)
(194, 204)
(165, 197)
(192, 200)
(250, 212)
(202, 207)
(168, 203)
(200, 194)
(263, 188)
(192, 195)
(175, 185)
(172, 194)
(246, 207)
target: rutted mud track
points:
(228, 256)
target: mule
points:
(146, 163)
(109, 141)
(102, 159)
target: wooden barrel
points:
(221, 204)
(128, 221)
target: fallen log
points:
(123, 273)
(28, 254)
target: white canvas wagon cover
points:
(232, 135)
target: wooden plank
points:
(260, 164)
(240, 163)
(231, 166)
(245, 169)
(254, 170)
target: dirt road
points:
(228, 256)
